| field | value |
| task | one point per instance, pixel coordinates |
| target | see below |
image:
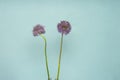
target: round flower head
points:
(64, 27)
(38, 29)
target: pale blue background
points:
(90, 52)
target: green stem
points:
(59, 60)
(46, 59)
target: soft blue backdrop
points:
(90, 52)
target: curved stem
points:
(46, 59)
(59, 60)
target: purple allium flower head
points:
(38, 29)
(64, 27)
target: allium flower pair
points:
(63, 27)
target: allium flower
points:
(64, 27)
(38, 29)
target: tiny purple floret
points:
(64, 27)
(38, 29)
